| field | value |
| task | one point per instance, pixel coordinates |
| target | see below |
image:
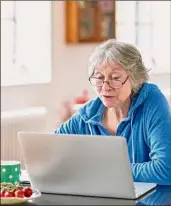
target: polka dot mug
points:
(10, 171)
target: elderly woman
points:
(127, 106)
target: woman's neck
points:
(118, 113)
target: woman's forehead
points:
(114, 67)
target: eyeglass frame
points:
(108, 82)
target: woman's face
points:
(116, 87)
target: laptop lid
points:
(78, 164)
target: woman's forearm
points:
(155, 171)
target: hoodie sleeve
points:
(70, 126)
(158, 127)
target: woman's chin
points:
(110, 104)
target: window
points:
(147, 25)
(25, 42)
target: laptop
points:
(80, 165)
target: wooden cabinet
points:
(90, 21)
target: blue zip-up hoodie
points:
(147, 129)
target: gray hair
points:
(124, 54)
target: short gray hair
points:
(124, 54)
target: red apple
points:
(27, 191)
(19, 193)
(2, 194)
(9, 194)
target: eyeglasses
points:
(115, 84)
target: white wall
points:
(69, 73)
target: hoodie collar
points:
(92, 112)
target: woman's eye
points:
(115, 78)
(99, 77)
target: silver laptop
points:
(80, 165)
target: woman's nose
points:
(105, 86)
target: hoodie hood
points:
(93, 110)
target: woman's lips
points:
(107, 96)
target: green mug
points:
(10, 172)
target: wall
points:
(69, 73)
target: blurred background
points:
(45, 46)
